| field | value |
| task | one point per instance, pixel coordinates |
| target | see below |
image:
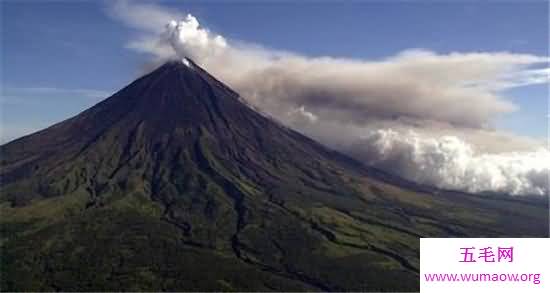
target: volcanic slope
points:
(173, 183)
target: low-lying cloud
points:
(451, 163)
(356, 105)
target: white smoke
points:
(197, 43)
(301, 116)
(338, 100)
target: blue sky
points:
(58, 58)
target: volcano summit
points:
(173, 183)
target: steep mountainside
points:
(173, 183)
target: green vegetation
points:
(172, 184)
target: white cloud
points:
(450, 162)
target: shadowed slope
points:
(173, 183)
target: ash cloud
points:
(423, 115)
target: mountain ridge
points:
(173, 183)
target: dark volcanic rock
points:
(173, 183)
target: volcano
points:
(175, 183)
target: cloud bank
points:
(451, 163)
(419, 114)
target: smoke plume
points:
(423, 115)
